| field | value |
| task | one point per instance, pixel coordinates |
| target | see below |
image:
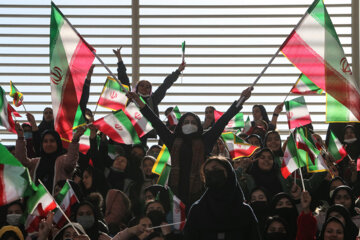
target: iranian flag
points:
(337, 112)
(38, 206)
(162, 166)
(118, 127)
(247, 127)
(177, 212)
(297, 113)
(308, 152)
(235, 123)
(335, 148)
(6, 111)
(304, 86)
(174, 116)
(66, 198)
(84, 141)
(113, 95)
(141, 124)
(315, 49)
(291, 162)
(70, 60)
(237, 147)
(15, 181)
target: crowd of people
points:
(246, 198)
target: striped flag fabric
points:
(308, 152)
(304, 86)
(118, 127)
(6, 111)
(15, 181)
(247, 126)
(291, 162)
(65, 199)
(141, 124)
(315, 49)
(16, 95)
(113, 96)
(70, 60)
(177, 211)
(174, 116)
(84, 141)
(235, 123)
(162, 166)
(335, 148)
(337, 112)
(38, 206)
(237, 147)
(297, 113)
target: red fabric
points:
(307, 227)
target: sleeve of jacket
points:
(21, 155)
(122, 75)
(160, 92)
(307, 227)
(71, 158)
(211, 136)
(165, 135)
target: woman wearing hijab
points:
(276, 228)
(221, 212)
(259, 202)
(284, 206)
(343, 195)
(53, 165)
(334, 229)
(188, 146)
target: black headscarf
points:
(266, 179)
(261, 208)
(350, 226)
(279, 152)
(44, 125)
(333, 219)
(263, 112)
(45, 170)
(290, 215)
(350, 192)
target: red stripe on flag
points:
(72, 89)
(110, 104)
(2, 186)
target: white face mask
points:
(13, 219)
(144, 96)
(189, 128)
(351, 140)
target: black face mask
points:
(156, 217)
(260, 208)
(215, 179)
(288, 214)
(276, 236)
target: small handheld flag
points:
(16, 95)
(183, 45)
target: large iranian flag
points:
(70, 61)
(113, 95)
(314, 48)
(337, 112)
(118, 127)
(15, 181)
(297, 113)
(38, 206)
(237, 147)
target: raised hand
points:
(118, 53)
(135, 98)
(79, 132)
(19, 130)
(295, 191)
(247, 93)
(279, 108)
(182, 66)
(305, 201)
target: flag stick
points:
(302, 179)
(242, 99)
(24, 107)
(166, 225)
(58, 207)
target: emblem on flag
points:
(56, 75)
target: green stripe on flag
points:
(177, 112)
(161, 160)
(8, 158)
(337, 112)
(121, 116)
(164, 176)
(183, 45)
